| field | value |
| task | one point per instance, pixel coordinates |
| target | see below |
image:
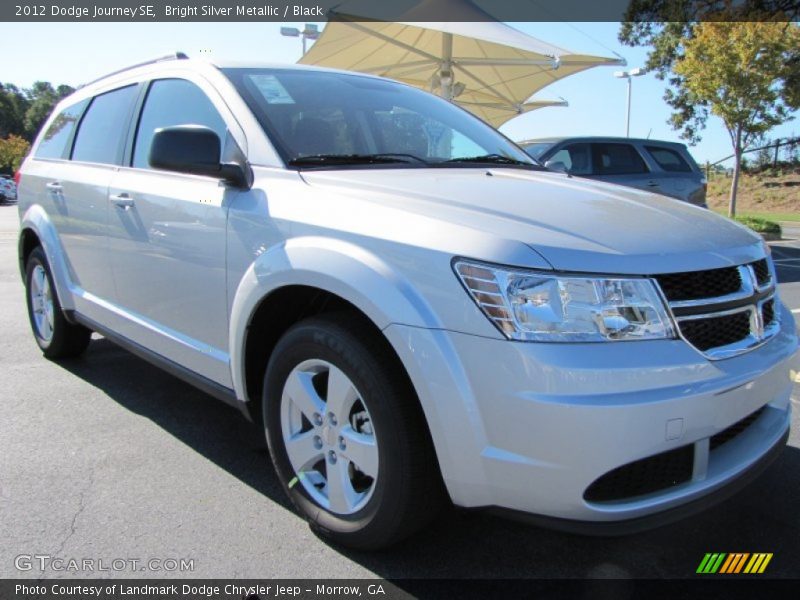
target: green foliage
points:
(13, 150)
(740, 63)
(668, 26)
(13, 105)
(22, 112)
(760, 225)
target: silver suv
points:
(412, 310)
(651, 165)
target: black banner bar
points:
(149, 11)
(701, 586)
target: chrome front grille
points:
(723, 312)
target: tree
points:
(745, 72)
(12, 150)
(13, 104)
(42, 98)
(737, 71)
(22, 112)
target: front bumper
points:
(529, 427)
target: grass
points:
(770, 216)
(760, 225)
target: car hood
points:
(574, 224)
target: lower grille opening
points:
(768, 311)
(726, 435)
(645, 476)
(713, 332)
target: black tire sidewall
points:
(37, 258)
(318, 340)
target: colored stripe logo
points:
(734, 563)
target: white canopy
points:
(490, 68)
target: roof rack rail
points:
(173, 56)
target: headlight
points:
(534, 306)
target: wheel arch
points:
(305, 276)
(36, 229)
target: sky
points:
(73, 53)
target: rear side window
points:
(669, 160)
(103, 127)
(617, 159)
(55, 140)
(172, 102)
(575, 157)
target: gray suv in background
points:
(662, 167)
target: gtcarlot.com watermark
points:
(46, 563)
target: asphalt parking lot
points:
(107, 457)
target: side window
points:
(54, 142)
(172, 102)
(103, 127)
(575, 157)
(617, 159)
(669, 160)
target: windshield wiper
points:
(354, 159)
(496, 159)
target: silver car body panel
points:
(525, 426)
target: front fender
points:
(36, 220)
(338, 267)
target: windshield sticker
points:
(272, 89)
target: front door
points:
(166, 242)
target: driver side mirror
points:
(556, 165)
(195, 150)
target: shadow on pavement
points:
(762, 518)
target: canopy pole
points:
(446, 67)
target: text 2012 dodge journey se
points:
(412, 308)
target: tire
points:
(389, 482)
(56, 337)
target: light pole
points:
(629, 75)
(311, 32)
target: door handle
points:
(652, 184)
(54, 186)
(122, 201)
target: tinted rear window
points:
(100, 134)
(54, 142)
(669, 160)
(617, 159)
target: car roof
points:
(607, 139)
(201, 64)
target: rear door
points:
(77, 193)
(167, 239)
(621, 163)
(679, 176)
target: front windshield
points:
(324, 119)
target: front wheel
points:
(347, 436)
(57, 337)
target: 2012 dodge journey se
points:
(414, 310)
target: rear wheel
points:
(347, 436)
(53, 333)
